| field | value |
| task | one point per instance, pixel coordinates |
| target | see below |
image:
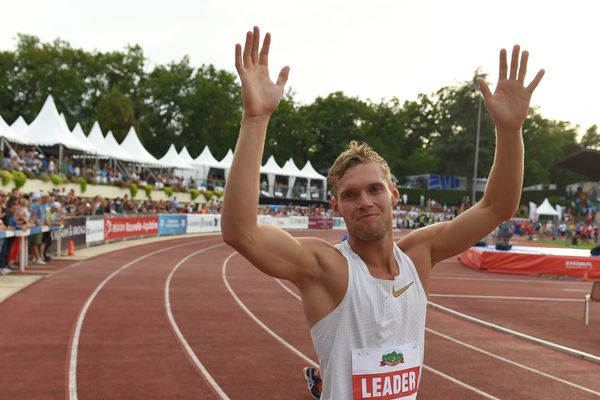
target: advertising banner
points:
(524, 261)
(94, 230)
(122, 227)
(297, 222)
(172, 224)
(320, 223)
(338, 223)
(73, 229)
(197, 223)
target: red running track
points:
(190, 319)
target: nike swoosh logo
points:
(397, 293)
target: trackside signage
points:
(94, 230)
(386, 374)
(122, 227)
(197, 223)
(172, 224)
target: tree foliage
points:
(182, 105)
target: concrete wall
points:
(108, 191)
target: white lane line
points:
(460, 383)
(554, 346)
(258, 321)
(188, 349)
(72, 377)
(435, 371)
(475, 296)
(534, 280)
(516, 364)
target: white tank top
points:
(368, 316)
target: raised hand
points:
(260, 95)
(509, 104)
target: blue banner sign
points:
(172, 224)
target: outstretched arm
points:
(272, 250)
(508, 107)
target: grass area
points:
(565, 243)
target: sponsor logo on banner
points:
(197, 223)
(578, 264)
(320, 223)
(94, 230)
(169, 224)
(121, 227)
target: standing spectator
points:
(38, 219)
(53, 217)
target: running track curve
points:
(191, 319)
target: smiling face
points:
(364, 197)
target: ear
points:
(395, 196)
(334, 206)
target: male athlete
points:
(365, 298)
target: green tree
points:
(591, 138)
(331, 123)
(453, 118)
(115, 112)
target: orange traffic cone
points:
(584, 278)
(71, 248)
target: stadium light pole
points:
(476, 149)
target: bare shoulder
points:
(421, 237)
(325, 252)
(418, 246)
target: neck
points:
(377, 254)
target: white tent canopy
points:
(47, 129)
(309, 172)
(226, 162)
(271, 169)
(184, 154)
(204, 162)
(132, 146)
(172, 159)
(546, 209)
(19, 126)
(8, 133)
(80, 135)
(292, 171)
(115, 151)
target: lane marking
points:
(460, 383)
(475, 296)
(506, 360)
(73, 350)
(258, 321)
(435, 371)
(545, 343)
(534, 280)
(179, 335)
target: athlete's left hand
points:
(509, 104)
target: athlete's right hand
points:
(260, 95)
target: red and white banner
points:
(122, 227)
(533, 261)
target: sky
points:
(370, 49)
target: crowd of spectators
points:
(30, 160)
(21, 212)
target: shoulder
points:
(322, 249)
(421, 238)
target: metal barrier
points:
(594, 295)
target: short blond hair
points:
(356, 153)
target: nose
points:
(364, 200)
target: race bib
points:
(386, 373)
